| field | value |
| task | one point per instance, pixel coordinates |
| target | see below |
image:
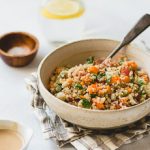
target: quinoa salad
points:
(107, 86)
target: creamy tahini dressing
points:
(10, 140)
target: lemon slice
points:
(63, 9)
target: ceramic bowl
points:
(76, 53)
(25, 132)
(19, 40)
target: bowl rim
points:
(67, 104)
(34, 50)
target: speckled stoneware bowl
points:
(78, 52)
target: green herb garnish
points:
(140, 82)
(78, 86)
(58, 87)
(90, 60)
(143, 92)
(124, 93)
(100, 75)
(62, 74)
(86, 103)
(94, 77)
(121, 61)
(132, 80)
(108, 79)
(93, 95)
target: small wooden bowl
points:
(26, 44)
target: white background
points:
(112, 18)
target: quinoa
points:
(107, 86)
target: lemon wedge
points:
(63, 9)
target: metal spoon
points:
(140, 26)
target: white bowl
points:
(24, 132)
(76, 53)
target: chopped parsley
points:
(100, 75)
(94, 77)
(90, 60)
(108, 79)
(78, 86)
(86, 103)
(124, 93)
(62, 74)
(143, 92)
(121, 61)
(132, 79)
(93, 95)
(140, 82)
(58, 87)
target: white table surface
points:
(112, 19)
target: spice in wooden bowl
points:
(18, 48)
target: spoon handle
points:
(140, 26)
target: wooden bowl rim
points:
(34, 50)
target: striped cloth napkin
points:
(82, 139)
